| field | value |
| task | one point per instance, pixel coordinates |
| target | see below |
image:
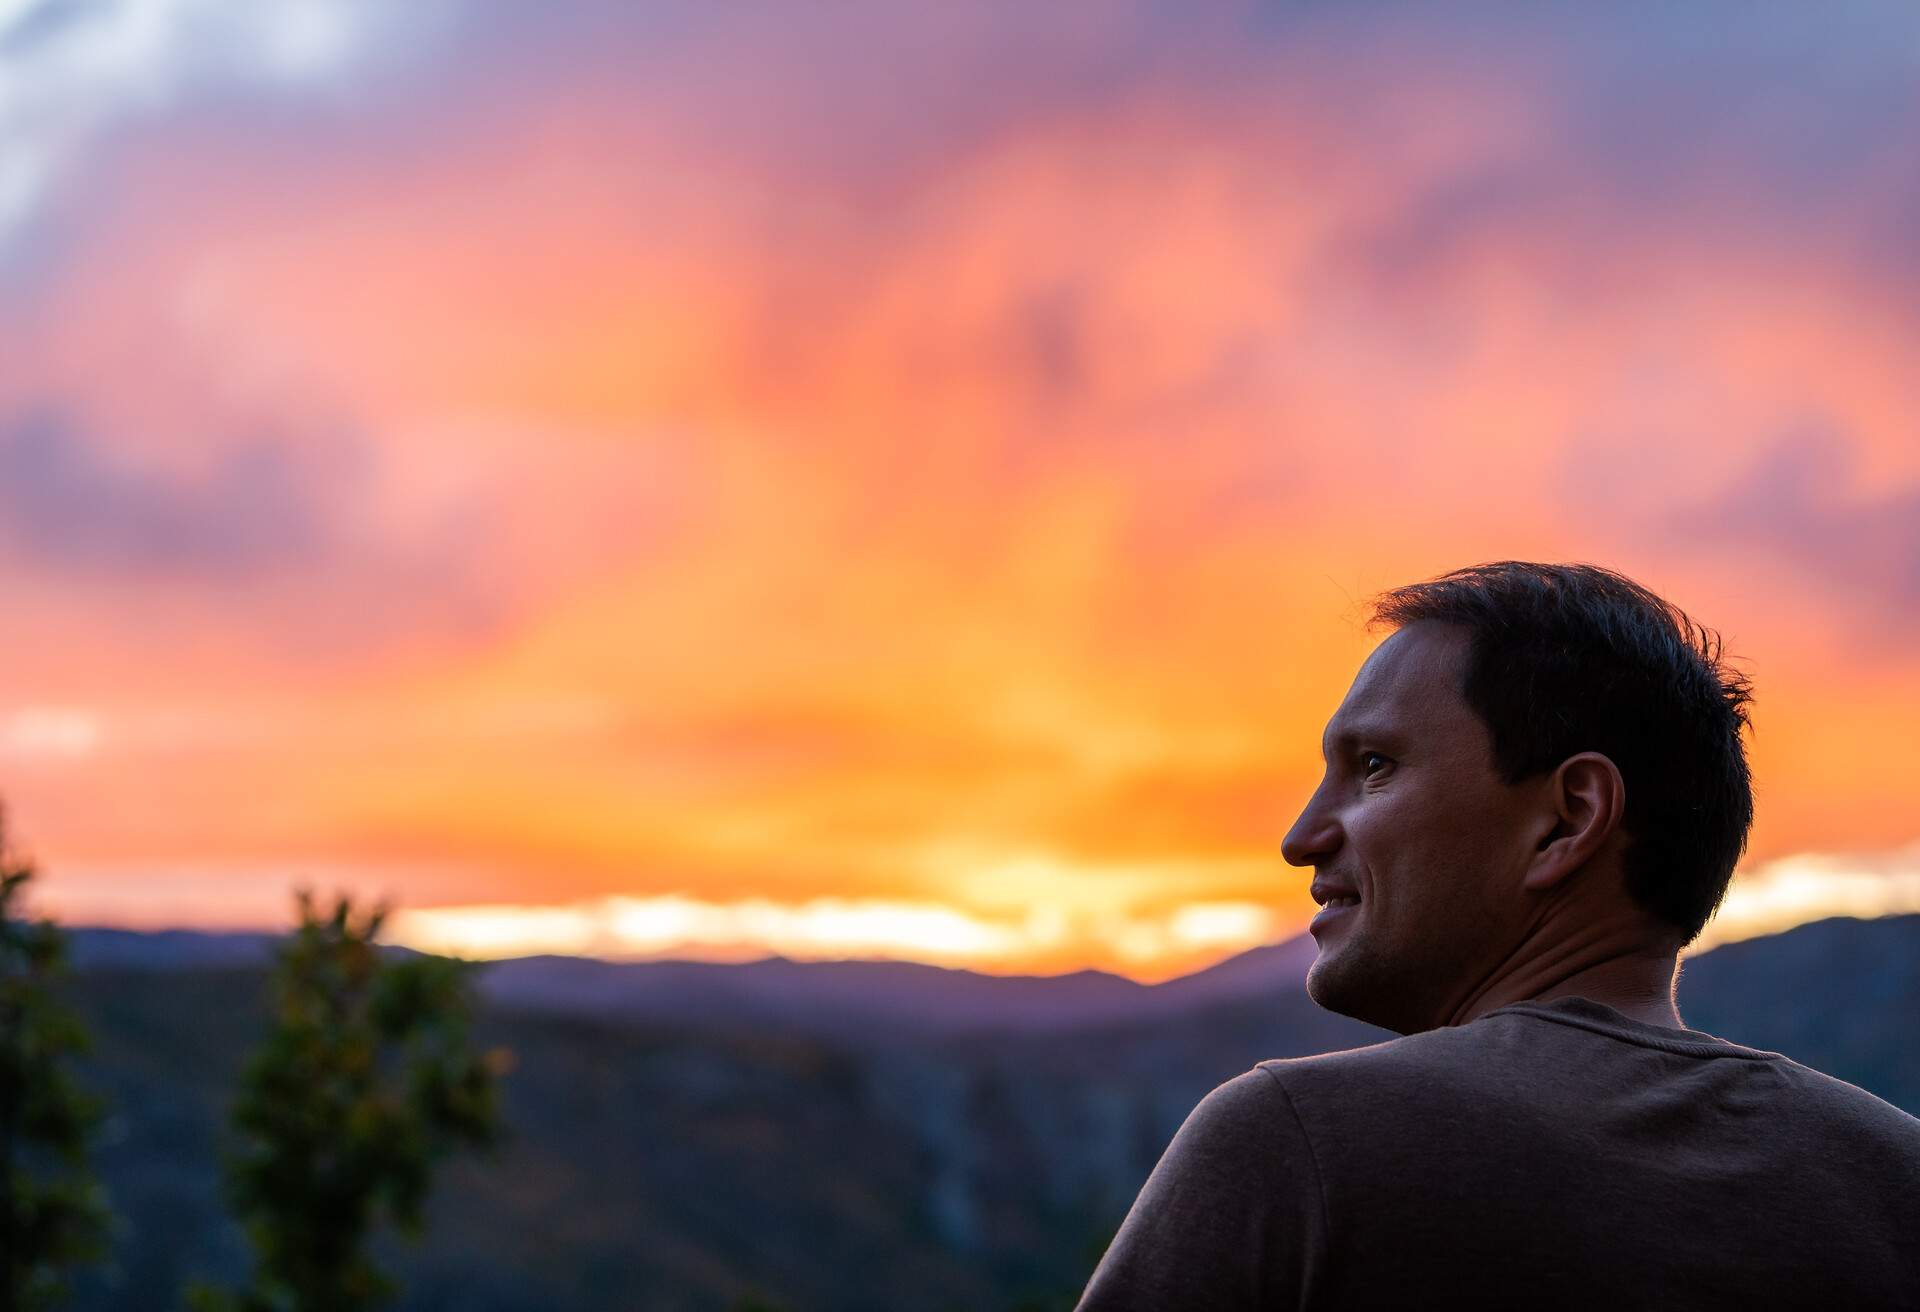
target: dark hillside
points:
(689, 1166)
(1842, 996)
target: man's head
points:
(1534, 745)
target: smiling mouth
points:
(1334, 908)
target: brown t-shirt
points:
(1547, 1155)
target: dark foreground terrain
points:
(838, 1136)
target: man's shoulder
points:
(1295, 1117)
(1863, 1112)
(1412, 1060)
(1525, 1065)
(1504, 1068)
(1308, 1099)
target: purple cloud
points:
(66, 502)
(1798, 505)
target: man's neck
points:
(1632, 978)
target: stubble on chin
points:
(1348, 981)
(1330, 984)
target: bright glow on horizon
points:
(1774, 897)
(621, 928)
(1812, 886)
(1045, 938)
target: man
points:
(1535, 794)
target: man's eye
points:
(1370, 762)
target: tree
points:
(53, 1213)
(366, 1080)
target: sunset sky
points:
(879, 479)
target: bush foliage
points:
(53, 1214)
(366, 1080)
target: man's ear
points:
(1587, 800)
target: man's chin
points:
(1336, 982)
(1326, 984)
(1366, 989)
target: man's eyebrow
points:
(1349, 736)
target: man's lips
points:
(1335, 900)
(1332, 911)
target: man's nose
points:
(1314, 837)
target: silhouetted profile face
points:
(1419, 843)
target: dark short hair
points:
(1575, 658)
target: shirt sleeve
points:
(1232, 1216)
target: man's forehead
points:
(1399, 679)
